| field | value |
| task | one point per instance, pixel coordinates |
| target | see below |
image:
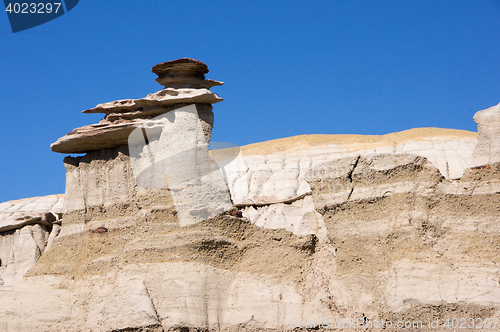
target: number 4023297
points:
(33, 8)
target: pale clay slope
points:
(304, 142)
(34, 206)
(278, 171)
(14, 214)
(274, 171)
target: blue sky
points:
(310, 67)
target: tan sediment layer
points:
(303, 142)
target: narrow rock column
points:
(179, 161)
(487, 150)
(127, 150)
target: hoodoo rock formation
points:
(187, 86)
(160, 234)
(120, 166)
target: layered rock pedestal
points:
(187, 86)
(148, 149)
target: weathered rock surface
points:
(415, 253)
(185, 84)
(27, 228)
(36, 207)
(487, 150)
(19, 251)
(179, 161)
(283, 177)
(183, 72)
(323, 229)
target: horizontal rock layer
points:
(165, 97)
(116, 128)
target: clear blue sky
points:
(290, 68)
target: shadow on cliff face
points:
(103, 155)
(225, 242)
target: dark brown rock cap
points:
(181, 67)
(183, 73)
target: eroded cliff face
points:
(409, 245)
(328, 232)
(28, 228)
(487, 150)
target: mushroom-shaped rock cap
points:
(185, 83)
(183, 73)
(181, 67)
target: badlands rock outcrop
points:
(28, 227)
(487, 150)
(140, 143)
(188, 86)
(159, 234)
